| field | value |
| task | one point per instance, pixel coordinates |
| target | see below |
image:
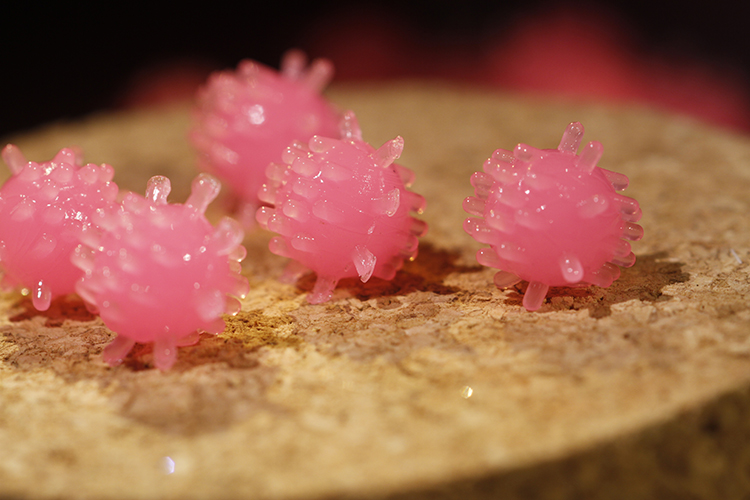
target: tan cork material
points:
(435, 385)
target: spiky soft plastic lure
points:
(342, 209)
(245, 120)
(43, 209)
(159, 272)
(552, 218)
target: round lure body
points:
(44, 207)
(552, 217)
(342, 209)
(159, 272)
(245, 120)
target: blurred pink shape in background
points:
(571, 52)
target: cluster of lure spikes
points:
(245, 118)
(44, 207)
(154, 272)
(316, 76)
(552, 218)
(159, 272)
(342, 209)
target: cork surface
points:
(436, 384)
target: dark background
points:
(65, 61)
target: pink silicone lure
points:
(245, 120)
(159, 272)
(552, 218)
(342, 209)
(43, 209)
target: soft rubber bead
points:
(44, 207)
(159, 272)
(341, 209)
(552, 217)
(245, 119)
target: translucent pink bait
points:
(159, 272)
(342, 209)
(44, 207)
(245, 120)
(552, 218)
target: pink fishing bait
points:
(44, 207)
(552, 217)
(341, 209)
(160, 272)
(244, 120)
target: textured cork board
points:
(435, 385)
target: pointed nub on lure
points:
(571, 138)
(14, 158)
(349, 127)
(158, 189)
(204, 189)
(389, 152)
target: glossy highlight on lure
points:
(342, 209)
(245, 119)
(160, 272)
(552, 217)
(44, 207)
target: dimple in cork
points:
(160, 272)
(44, 207)
(342, 209)
(245, 119)
(552, 217)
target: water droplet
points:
(167, 465)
